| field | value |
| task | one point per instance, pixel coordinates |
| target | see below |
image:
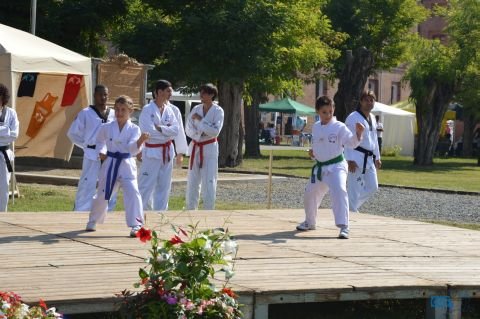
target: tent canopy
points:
(29, 53)
(398, 127)
(287, 105)
(21, 52)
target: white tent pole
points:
(33, 14)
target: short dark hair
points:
(368, 93)
(99, 88)
(5, 93)
(209, 88)
(161, 85)
(322, 101)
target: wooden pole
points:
(269, 195)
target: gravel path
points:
(388, 201)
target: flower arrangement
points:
(12, 307)
(177, 278)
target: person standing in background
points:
(9, 128)
(364, 160)
(203, 126)
(83, 133)
(379, 133)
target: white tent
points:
(398, 126)
(61, 81)
(23, 52)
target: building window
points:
(321, 88)
(395, 93)
(373, 86)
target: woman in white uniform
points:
(364, 160)
(203, 126)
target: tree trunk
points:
(230, 98)
(252, 116)
(430, 113)
(352, 81)
(468, 126)
(241, 140)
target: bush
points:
(177, 278)
(391, 151)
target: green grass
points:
(52, 198)
(458, 174)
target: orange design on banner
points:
(40, 113)
(72, 87)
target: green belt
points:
(335, 160)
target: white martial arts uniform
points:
(203, 150)
(363, 183)
(83, 133)
(158, 154)
(9, 127)
(181, 146)
(124, 144)
(328, 142)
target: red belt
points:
(166, 149)
(200, 145)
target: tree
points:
(232, 43)
(302, 46)
(79, 25)
(469, 97)
(379, 33)
(440, 71)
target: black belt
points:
(91, 146)
(4, 149)
(367, 153)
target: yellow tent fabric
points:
(408, 106)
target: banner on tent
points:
(45, 117)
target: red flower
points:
(229, 292)
(144, 234)
(176, 240)
(42, 304)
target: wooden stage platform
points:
(50, 256)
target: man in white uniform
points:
(364, 160)
(83, 133)
(203, 125)
(159, 120)
(9, 127)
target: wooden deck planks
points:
(50, 256)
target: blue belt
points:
(117, 157)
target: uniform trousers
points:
(204, 179)
(361, 187)
(333, 180)
(4, 181)
(131, 200)
(155, 181)
(87, 186)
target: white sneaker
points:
(344, 233)
(306, 226)
(91, 226)
(135, 229)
